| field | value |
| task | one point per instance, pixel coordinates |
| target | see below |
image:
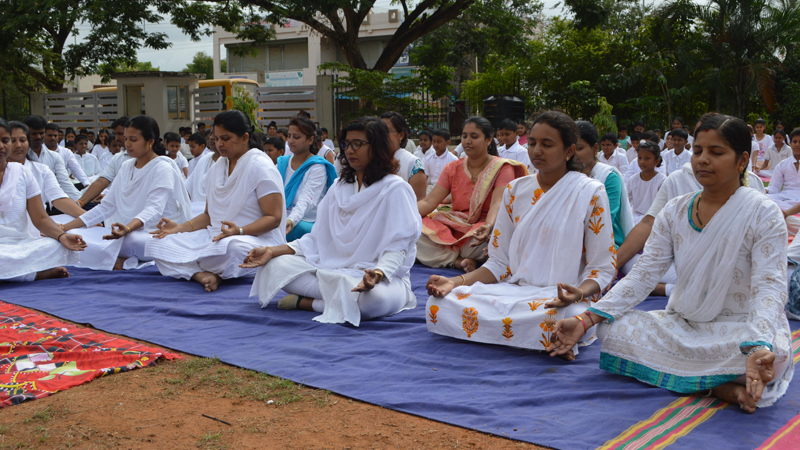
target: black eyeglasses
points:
(356, 143)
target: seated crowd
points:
(557, 231)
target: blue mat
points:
(394, 362)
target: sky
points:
(183, 49)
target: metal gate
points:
(281, 104)
(90, 110)
(207, 103)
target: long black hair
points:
(399, 123)
(307, 128)
(382, 163)
(149, 129)
(568, 131)
(735, 132)
(237, 123)
(486, 128)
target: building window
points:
(177, 100)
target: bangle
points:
(241, 231)
(581, 294)
(127, 229)
(269, 249)
(379, 272)
(80, 203)
(59, 237)
(589, 316)
(585, 329)
(756, 349)
(463, 280)
(291, 222)
(191, 224)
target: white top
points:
(104, 160)
(99, 151)
(642, 193)
(517, 153)
(328, 143)
(632, 154)
(690, 140)
(113, 165)
(194, 160)
(312, 190)
(186, 151)
(775, 157)
(323, 152)
(459, 150)
(89, 163)
(763, 145)
(618, 159)
(419, 154)
(786, 179)
(73, 166)
(148, 194)
(181, 162)
(195, 184)
(408, 164)
(411, 146)
(434, 164)
(673, 162)
(46, 180)
(56, 164)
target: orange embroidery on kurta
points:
(536, 195)
(462, 296)
(535, 305)
(495, 244)
(593, 274)
(434, 309)
(469, 321)
(507, 333)
(505, 275)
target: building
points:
(85, 84)
(291, 59)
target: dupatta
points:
(297, 177)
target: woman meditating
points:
(148, 186)
(724, 332)
(551, 251)
(409, 166)
(354, 264)
(22, 256)
(244, 210)
(306, 177)
(586, 151)
(45, 179)
(457, 237)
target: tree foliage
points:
(201, 63)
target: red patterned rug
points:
(40, 356)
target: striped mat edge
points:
(680, 417)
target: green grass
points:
(211, 440)
(41, 416)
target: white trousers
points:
(226, 266)
(22, 278)
(382, 300)
(133, 245)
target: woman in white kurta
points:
(724, 332)
(196, 183)
(644, 185)
(244, 209)
(306, 177)
(22, 256)
(146, 188)
(355, 263)
(551, 252)
(409, 166)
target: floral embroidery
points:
(593, 274)
(434, 309)
(596, 225)
(509, 206)
(516, 219)
(505, 275)
(508, 186)
(596, 222)
(535, 305)
(469, 321)
(507, 333)
(495, 244)
(536, 195)
(462, 296)
(547, 326)
(594, 200)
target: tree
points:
(201, 63)
(34, 36)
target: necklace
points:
(697, 206)
(480, 169)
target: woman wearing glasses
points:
(354, 264)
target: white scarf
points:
(227, 195)
(703, 281)
(196, 183)
(552, 234)
(9, 188)
(130, 188)
(600, 172)
(353, 229)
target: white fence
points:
(281, 104)
(207, 103)
(90, 110)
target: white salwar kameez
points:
(22, 255)
(641, 194)
(231, 198)
(376, 227)
(148, 194)
(196, 183)
(730, 296)
(539, 240)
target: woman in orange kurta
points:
(456, 236)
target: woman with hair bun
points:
(355, 263)
(148, 186)
(245, 208)
(551, 252)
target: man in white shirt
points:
(72, 165)
(436, 160)
(510, 148)
(612, 155)
(676, 158)
(110, 172)
(39, 153)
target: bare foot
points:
(467, 264)
(660, 290)
(569, 356)
(209, 280)
(119, 265)
(58, 272)
(735, 394)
